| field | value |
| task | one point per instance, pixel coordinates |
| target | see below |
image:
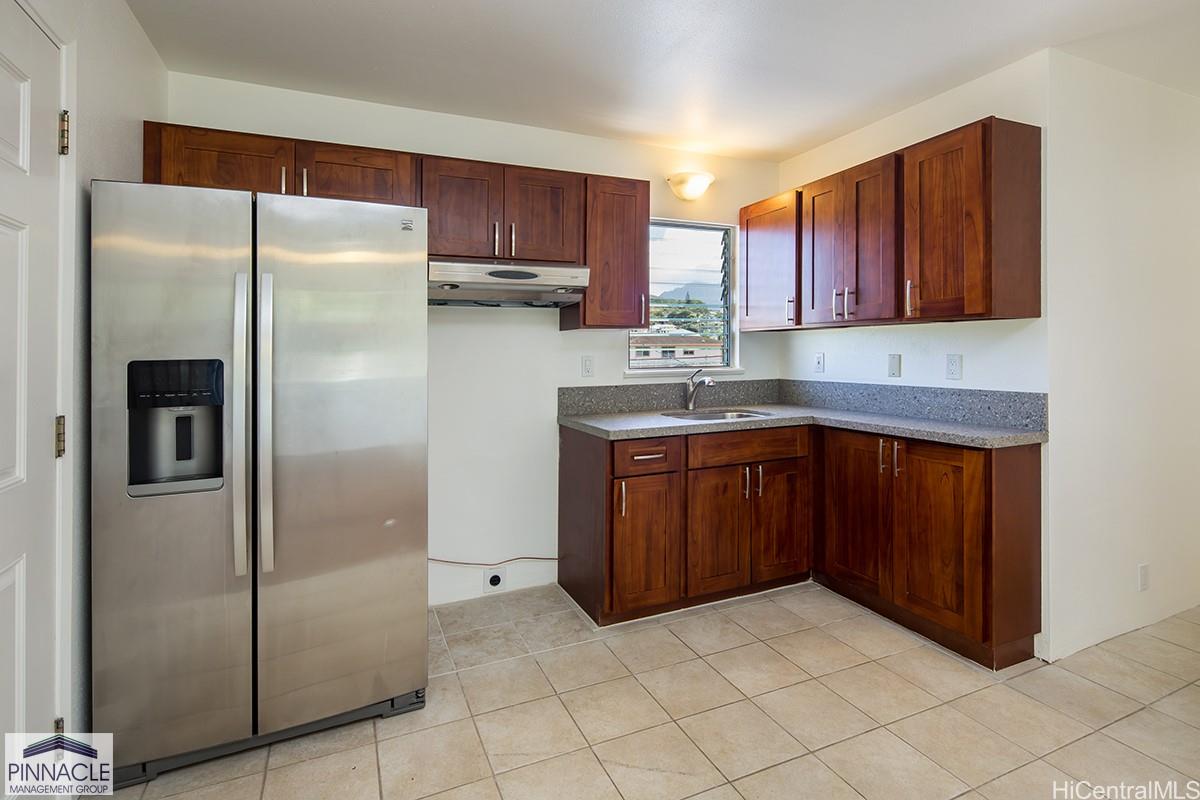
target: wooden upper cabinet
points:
(543, 214)
(356, 173)
(972, 223)
(939, 535)
(821, 284)
(175, 154)
(781, 518)
(870, 231)
(857, 542)
(465, 200)
(647, 533)
(617, 255)
(768, 265)
(718, 529)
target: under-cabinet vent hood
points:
(496, 284)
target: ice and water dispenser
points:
(175, 426)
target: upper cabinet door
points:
(940, 510)
(224, 160)
(543, 215)
(822, 288)
(857, 539)
(356, 173)
(618, 256)
(946, 264)
(781, 518)
(465, 200)
(769, 250)
(870, 223)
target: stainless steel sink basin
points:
(717, 413)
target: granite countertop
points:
(644, 424)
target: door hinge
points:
(60, 436)
(64, 132)
(59, 725)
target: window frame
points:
(735, 362)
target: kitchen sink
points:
(713, 414)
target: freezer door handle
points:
(266, 499)
(241, 321)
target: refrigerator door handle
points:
(266, 503)
(241, 320)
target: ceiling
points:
(749, 78)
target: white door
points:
(29, 92)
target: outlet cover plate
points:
(587, 367)
(893, 365)
(819, 362)
(500, 572)
(954, 366)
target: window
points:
(690, 327)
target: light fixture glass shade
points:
(689, 185)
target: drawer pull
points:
(622, 498)
(649, 456)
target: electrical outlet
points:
(1143, 577)
(495, 579)
(954, 366)
(819, 363)
(893, 365)
(587, 367)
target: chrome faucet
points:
(693, 387)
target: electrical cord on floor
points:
(483, 564)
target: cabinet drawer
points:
(647, 456)
(744, 447)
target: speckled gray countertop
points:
(644, 424)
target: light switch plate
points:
(954, 366)
(893, 365)
(819, 363)
(587, 367)
(1143, 577)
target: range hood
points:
(498, 284)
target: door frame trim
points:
(67, 394)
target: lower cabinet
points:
(945, 540)
(647, 530)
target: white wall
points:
(1008, 354)
(493, 373)
(1124, 253)
(119, 80)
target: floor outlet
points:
(819, 363)
(1143, 577)
(587, 367)
(954, 367)
(495, 580)
(894, 365)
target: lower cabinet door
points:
(781, 518)
(647, 532)
(718, 529)
(857, 526)
(938, 557)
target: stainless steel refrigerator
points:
(258, 487)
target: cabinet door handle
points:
(644, 306)
(881, 456)
(833, 304)
(908, 298)
(896, 457)
(283, 180)
(760, 480)
(649, 456)
(747, 489)
(512, 240)
(846, 302)
(496, 239)
(622, 498)
(789, 312)
(304, 181)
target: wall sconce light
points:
(689, 185)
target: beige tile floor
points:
(792, 693)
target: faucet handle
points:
(692, 377)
